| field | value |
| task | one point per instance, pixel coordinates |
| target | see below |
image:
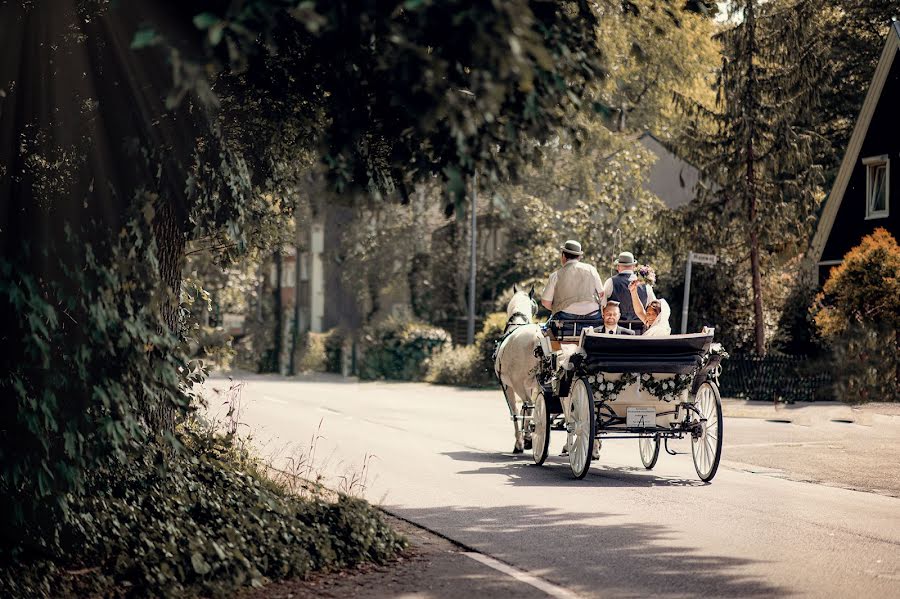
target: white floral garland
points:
(666, 389)
(606, 390)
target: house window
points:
(877, 186)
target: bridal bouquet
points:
(645, 274)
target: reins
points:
(510, 323)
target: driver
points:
(575, 291)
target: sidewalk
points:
(807, 414)
(829, 443)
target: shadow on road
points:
(596, 558)
(520, 470)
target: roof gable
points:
(851, 156)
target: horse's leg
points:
(516, 407)
(567, 418)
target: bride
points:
(656, 315)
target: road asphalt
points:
(781, 517)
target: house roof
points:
(833, 203)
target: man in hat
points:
(575, 291)
(616, 289)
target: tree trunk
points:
(759, 341)
(277, 343)
(170, 247)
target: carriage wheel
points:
(582, 428)
(649, 451)
(707, 447)
(540, 438)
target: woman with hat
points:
(616, 288)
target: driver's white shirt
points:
(579, 308)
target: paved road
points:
(440, 457)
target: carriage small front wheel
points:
(649, 450)
(540, 436)
(582, 428)
(706, 442)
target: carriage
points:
(627, 387)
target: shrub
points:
(486, 341)
(208, 523)
(866, 366)
(398, 349)
(310, 355)
(95, 373)
(864, 288)
(471, 366)
(858, 313)
(212, 345)
(334, 350)
(455, 366)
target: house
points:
(671, 179)
(862, 198)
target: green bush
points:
(455, 366)
(866, 364)
(398, 349)
(212, 345)
(310, 356)
(334, 350)
(320, 352)
(486, 341)
(206, 524)
(93, 374)
(471, 366)
(863, 289)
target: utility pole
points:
(470, 332)
(687, 292)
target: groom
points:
(616, 289)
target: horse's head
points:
(522, 302)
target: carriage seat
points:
(675, 354)
(572, 327)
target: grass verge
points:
(206, 521)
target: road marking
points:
(273, 399)
(542, 585)
(779, 444)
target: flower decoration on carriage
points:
(666, 389)
(607, 390)
(645, 274)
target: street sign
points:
(704, 258)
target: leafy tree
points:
(202, 130)
(863, 289)
(760, 155)
(652, 49)
(858, 314)
(856, 31)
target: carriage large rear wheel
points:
(540, 437)
(707, 446)
(582, 428)
(649, 450)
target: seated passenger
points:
(655, 316)
(611, 315)
(574, 291)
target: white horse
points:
(515, 364)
